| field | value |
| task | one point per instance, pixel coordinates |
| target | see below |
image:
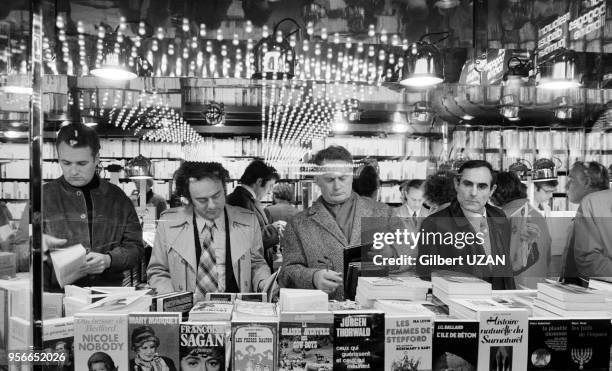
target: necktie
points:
(414, 218)
(484, 229)
(206, 278)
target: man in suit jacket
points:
(256, 182)
(589, 249)
(314, 239)
(469, 214)
(412, 196)
(207, 246)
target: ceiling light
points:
(139, 167)
(12, 134)
(562, 108)
(518, 72)
(558, 72)
(521, 169)
(340, 126)
(423, 66)
(543, 170)
(112, 69)
(274, 60)
(422, 112)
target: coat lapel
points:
(180, 237)
(361, 211)
(238, 244)
(321, 216)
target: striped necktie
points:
(207, 277)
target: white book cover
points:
(569, 292)
(502, 339)
(408, 341)
(458, 284)
(68, 263)
(101, 339)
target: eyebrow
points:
(203, 198)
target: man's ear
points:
(493, 188)
(259, 182)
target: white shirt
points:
(218, 245)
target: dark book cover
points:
(203, 345)
(569, 344)
(153, 339)
(254, 345)
(359, 340)
(305, 341)
(181, 302)
(455, 345)
(58, 338)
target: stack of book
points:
(207, 311)
(567, 300)
(370, 289)
(300, 300)
(469, 308)
(603, 284)
(448, 286)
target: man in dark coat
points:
(474, 234)
(256, 182)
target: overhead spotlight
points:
(509, 107)
(112, 69)
(423, 65)
(544, 170)
(139, 167)
(400, 123)
(422, 112)
(274, 56)
(521, 168)
(563, 108)
(215, 114)
(517, 72)
(558, 72)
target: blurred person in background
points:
(439, 190)
(543, 193)
(282, 209)
(367, 182)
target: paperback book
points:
(204, 345)
(101, 339)
(502, 340)
(408, 341)
(359, 340)
(455, 345)
(305, 341)
(58, 338)
(154, 340)
(254, 344)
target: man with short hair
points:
(255, 183)
(314, 239)
(589, 249)
(469, 213)
(81, 208)
(207, 246)
(412, 192)
(282, 209)
(543, 192)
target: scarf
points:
(157, 364)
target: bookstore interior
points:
(308, 185)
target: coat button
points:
(83, 216)
(79, 193)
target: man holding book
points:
(207, 246)
(314, 239)
(81, 208)
(470, 214)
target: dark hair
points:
(367, 182)
(333, 153)
(595, 174)
(141, 335)
(79, 136)
(548, 183)
(101, 357)
(257, 11)
(258, 169)
(509, 188)
(283, 191)
(413, 183)
(475, 164)
(439, 188)
(198, 170)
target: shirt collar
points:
(219, 222)
(411, 212)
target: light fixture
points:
(544, 170)
(13, 134)
(423, 64)
(558, 71)
(400, 124)
(521, 168)
(139, 167)
(89, 121)
(274, 56)
(562, 108)
(215, 114)
(112, 69)
(422, 112)
(351, 107)
(509, 107)
(517, 72)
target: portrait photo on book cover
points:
(203, 359)
(500, 358)
(147, 349)
(101, 361)
(61, 346)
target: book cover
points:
(154, 340)
(502, 340)
(261, 297)
(359, 340)
(408, 341)
(220, 296)
(204, 345)
(569, 344)
(58, 337)
(570, 292)
(455, 345)
(305, 341)
(254, 345)
(100, 340)
(178, 302)
(211, 311)
(68, 263)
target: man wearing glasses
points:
(589, 249)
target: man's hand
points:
(97, 263)
(327, 281)
(50, 243)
